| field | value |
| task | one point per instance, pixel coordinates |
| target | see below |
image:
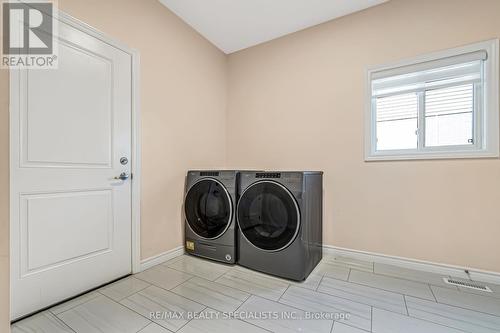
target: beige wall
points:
(298, 103)
(183, 105)
(183, 109)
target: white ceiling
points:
(233, 25)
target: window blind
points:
(397, 107)
(457, 70)
(452, 100)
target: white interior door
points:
(70, 219)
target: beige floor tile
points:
(163, 277)
(101, 314)
(41, 323)
(173, 311)
(388, 283)
(199, 267)
(124, 288)
(212, 294)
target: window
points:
(443, 105)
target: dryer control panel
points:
(268, 175)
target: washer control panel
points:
(268, 175)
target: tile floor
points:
(342, 295)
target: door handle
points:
(122, 176)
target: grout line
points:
(232, 287)
(432, 292)
(455, 306)
(191, 276)
(346, 323)
(288, 305)
(337, 308)
(160, 305)
(196, 301)
(415, 280)
(62, 322)
(254, 284)
(114, 300)
(239, 289)
(143, 280)
(136, 292)
(249, 323)
(214, 290)
(390, 291)
(170, 291)
(319, 284)
(246, 299)
(139, 291)
(450, 318)
(244, 321)
(151, 323)
(120, 304)
(488, 328)
(194, 275)
(368, 286)
(190, 320)
(283, 293)
(77, 305)
(173, 260)
(371, 319)
(357, 302)
(406, 305)
(411, 280)
(243, 302)
(468, 309)
(263, 275)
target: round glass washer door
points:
(208, 208)
(268, 216)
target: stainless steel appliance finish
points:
(209, 206)
(279, 216)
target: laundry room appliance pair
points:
(266, 221)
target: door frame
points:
(135, 142)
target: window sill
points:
(440, 155)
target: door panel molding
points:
(27, 138)
(31, 220)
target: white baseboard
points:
(422, 265)
(161, 258)
(443, 269)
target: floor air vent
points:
(467, 284)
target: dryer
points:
(209, 207)
(279, 216)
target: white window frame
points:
(486, 111)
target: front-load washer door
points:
(268, 216)
(208, 208)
